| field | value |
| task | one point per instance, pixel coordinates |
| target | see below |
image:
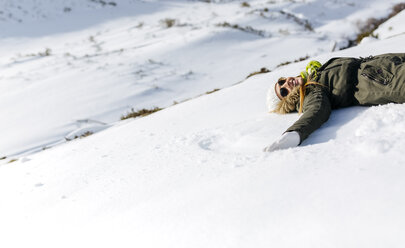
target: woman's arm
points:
(316, 111)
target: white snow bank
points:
(392, 27)
(194, 175)
(96, 61)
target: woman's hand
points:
(287, 140)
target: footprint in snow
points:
(207, 143)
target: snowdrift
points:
(66, 65)
(194, 175)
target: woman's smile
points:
(285, 85)
(294, 81)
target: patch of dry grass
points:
(139, 113)
(290, 62)
(262, 70)
(368, 27)
(247, 29)
(211, 91)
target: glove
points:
(287, 140)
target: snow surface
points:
(193, 174)
(69, 65)
(392, 27)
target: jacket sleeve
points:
(316, 111)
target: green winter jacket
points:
(349, 82)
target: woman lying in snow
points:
(340, 82)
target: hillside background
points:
(193, 174)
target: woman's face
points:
(284, 85)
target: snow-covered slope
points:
(392, 27)
(194, 174)
(68, 66)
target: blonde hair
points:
(289, 103)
